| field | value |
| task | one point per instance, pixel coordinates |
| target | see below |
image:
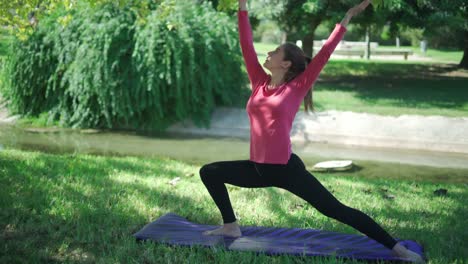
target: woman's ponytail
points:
(299, 63)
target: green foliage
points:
(414, 35)
(41, 121)
(98, 80)
(26, 71)
(378, 3)
(16, 13)
(104, 67)
(200, 61)
(225, 5)
(385, 35)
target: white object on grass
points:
(174, 181)
(333, 165)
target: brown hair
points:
(299, 62)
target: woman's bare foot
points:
(402, 252)
(231, 229)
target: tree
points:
(365, 20)
(298, 18)
(452, 14)
(18, 13)
(21, 16)
(302, 17)
(433, 17)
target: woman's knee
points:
(206, 172)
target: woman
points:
(272, 106)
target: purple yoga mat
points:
(176, 230)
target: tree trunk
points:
(284, 37)
(308, 40)
(308, 45)
(464, 62)
(367, 53)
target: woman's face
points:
(274, 59)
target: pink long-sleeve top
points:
(271, 111)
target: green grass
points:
(387, 87)
(393, 88)
(454, 56)
(42, 120)
(84, 208)
(442, 55)
(438, 55)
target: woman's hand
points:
(358, 9)
(242, 4)
(353, 11)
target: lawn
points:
(453, 56)
(387, 87)
(84, 208)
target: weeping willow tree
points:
(187, 60)
(98, 80)
(109, 67)
(24, 77)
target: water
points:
(203, 149)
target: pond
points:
(198, 149)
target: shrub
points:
(106, 67)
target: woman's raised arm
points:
(307, 78)
(254, 69)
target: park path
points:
(412, 132)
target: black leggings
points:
(293, 177)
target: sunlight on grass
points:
(85, 208)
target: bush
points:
(25, 74)
(188, 59)
(106, 67)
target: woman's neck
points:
(276, 80)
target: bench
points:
(361, 52)
(348, 44)
(405, 53)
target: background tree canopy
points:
(443, 23)
(139, 64)
(106, 66)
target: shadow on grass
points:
(411, 85)
(58, 210)
(55, 210)
(392, 70)
(416, 93)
